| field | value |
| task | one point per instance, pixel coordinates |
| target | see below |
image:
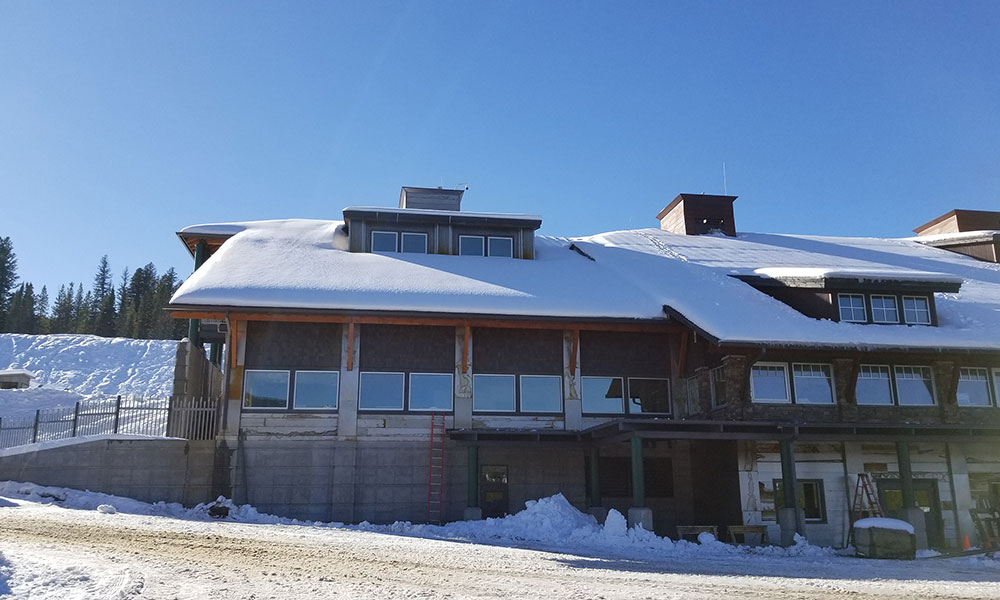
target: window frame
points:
(407, 393)
(927, 303)
(990, 392)
(402, 399)
(624, 395)
(295, 392)
(996, 385)
(394, 234)
(288, 391)
(933, 385)
(779, 498)
(402, 241)
(713, 392)
(513, 390)
(628, 398)
(831, 379)
(520, 395)
(840, 307)
(490, 238)
(890, 379)
(895, 303)
(481, 239)
(788, 385)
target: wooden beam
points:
(233, 345)
(465, 350)
(573, 351)
(682, 358)
(350, 346)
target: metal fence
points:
(191, 418)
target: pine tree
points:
(8, 275)
(42, 310)
(105, 323)
(62, 311)
(21, 312)
(102, 281)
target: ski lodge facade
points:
(425, 363)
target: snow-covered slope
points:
(69, 367)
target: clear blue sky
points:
(122, 122)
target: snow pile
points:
(70, 367)
(884, 523)
(552, 522)
(5, 572)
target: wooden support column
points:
(573, 351)
(682, 355)
(465, 350)
(638, 476)
(195, 324)
(350, 346)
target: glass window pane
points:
(915, 386)
(381, 391)
(502, 246)
(813, 384)
(717, 381)
(648, 396)
(316, 389)
(415, 243)
(470, 245)
(493, 393)
(916, 310)
(430, 391)
(383, 241)
(873, 386)
(603, 395)
(973, 387)
(265, 389)
(541, 393)
(852, 308)
(768, 383)
(884, 309)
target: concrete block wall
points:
(152, 470)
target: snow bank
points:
(884, 523)
(69, 367)
(550, 522)
(5, 573)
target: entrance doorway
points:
(925, 493)
(495, 496)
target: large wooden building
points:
(425, 363)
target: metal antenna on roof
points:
(725, 188)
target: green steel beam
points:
(473, 489)
(638, 477)
(595, 476)
(905, 474)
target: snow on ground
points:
(60, 543)
(70, 367)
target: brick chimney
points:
(697, 214)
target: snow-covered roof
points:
(12, 372)
(302, 264)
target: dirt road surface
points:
(66, 554)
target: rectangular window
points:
(381, 391)
(414, 243)
(648, 396)
(916, 310)
(884, 309)
(493, 393)
(383, 241)
(541, 393)
(852, 308)
(471, 245)
(603, 395)
(769, 383)
(915, 386)
(996, 387)
(874, 385)
(501, 246)
(813, 383)
(316, 390)
(717, 380)
(265, 389)
(973, 387)
(812, 499)
(430, 391)
(691, 385)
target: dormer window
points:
(916, 310)
(477, 245)
(884, 309)
(852, 308)
(414, 243)
(384, 241)
(471, 245)
(501, 246)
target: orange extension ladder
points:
(435, 470)
(865, 502)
